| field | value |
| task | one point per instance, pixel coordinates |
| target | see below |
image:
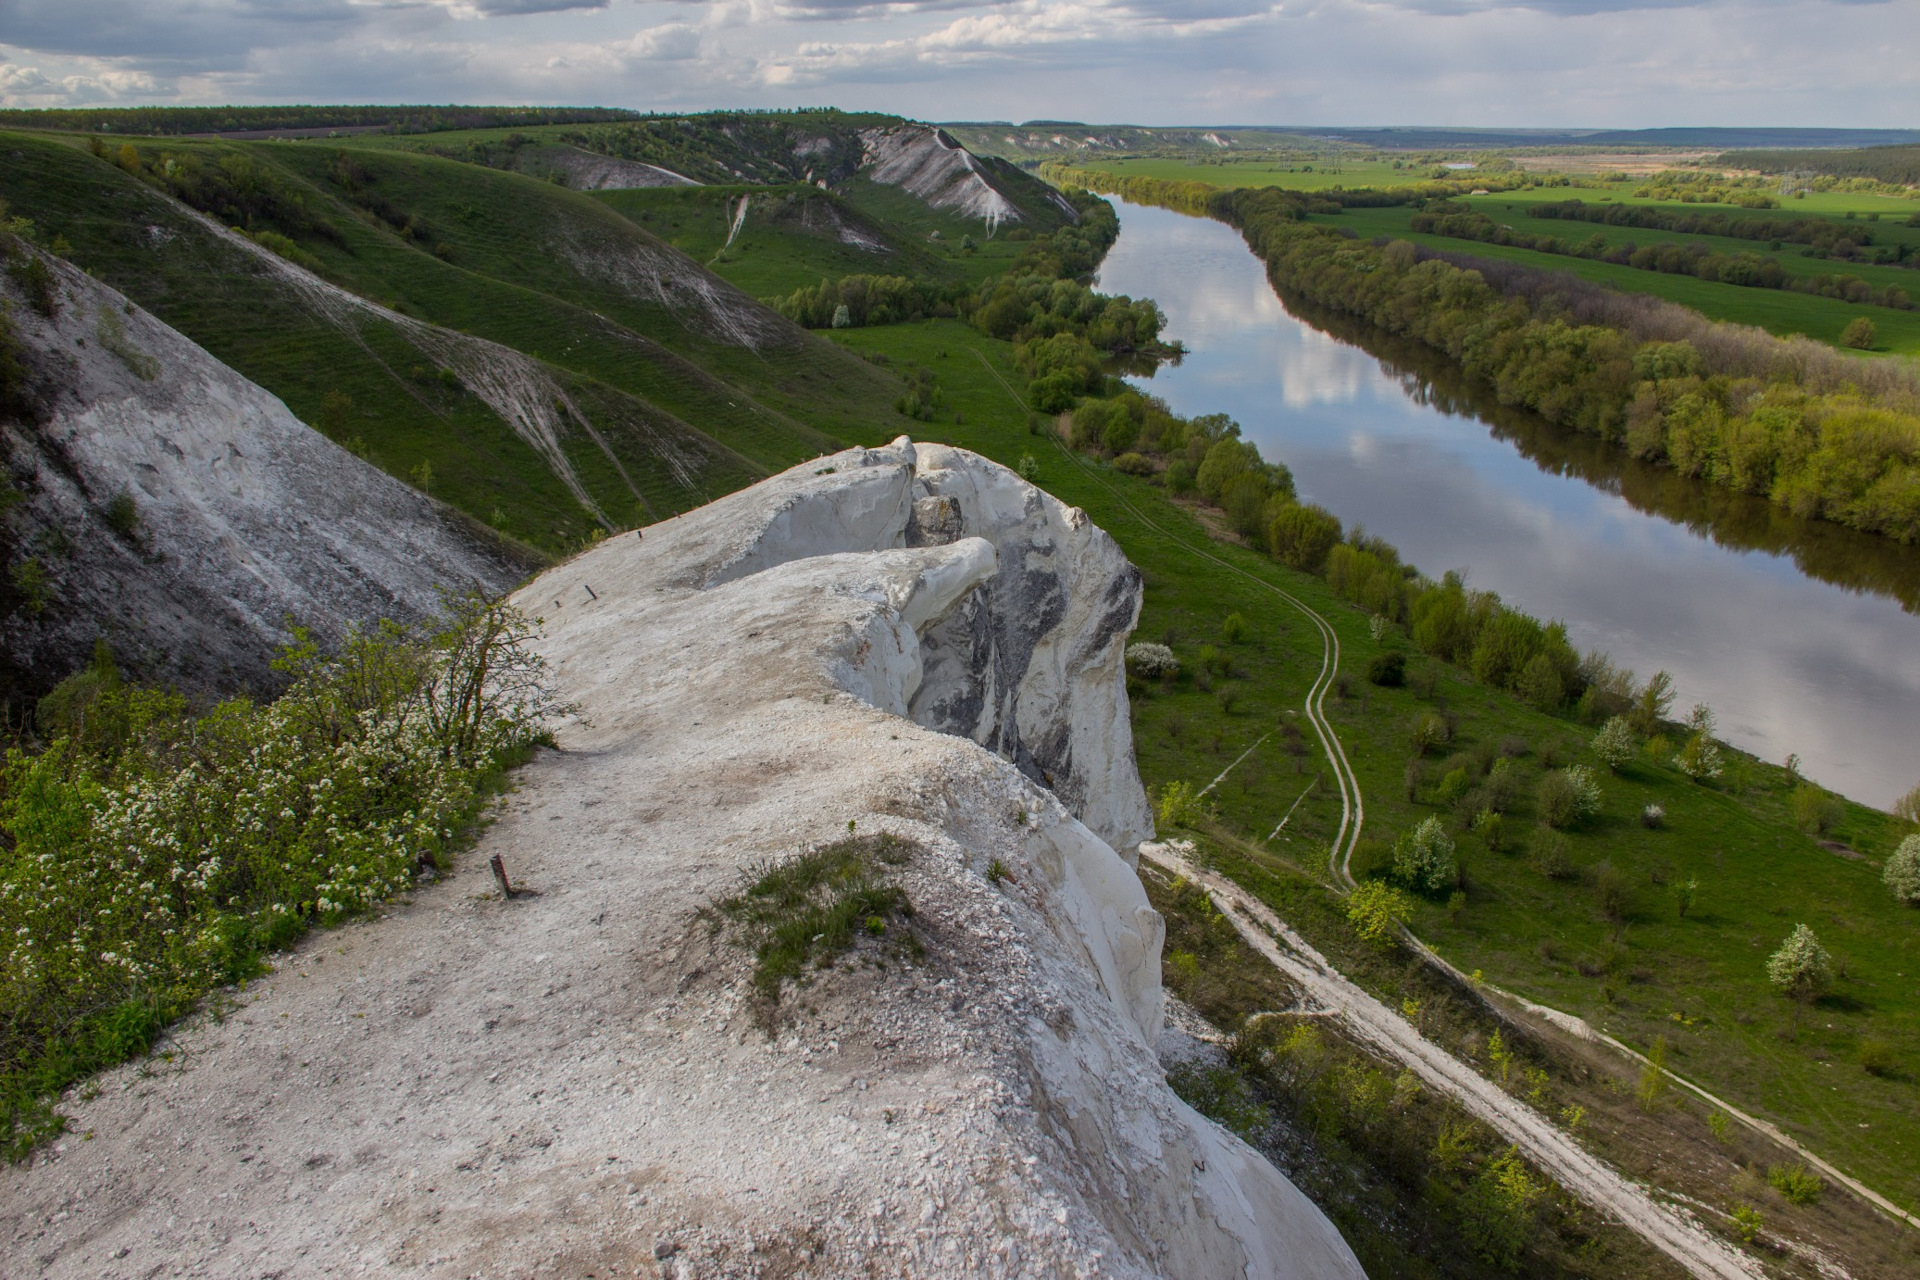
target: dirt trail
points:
(1671, 1230)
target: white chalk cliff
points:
(184, 514)
(906, 640)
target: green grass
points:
(529, 265)
(1313, 174)
(790, 240)
(804, 913)
(1760, 876)
(1778, 311)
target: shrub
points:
(1179, 806)
(1424, 857)
(1429, 731)
(1152, 661)
(1613, 745)
(1746, 1222)
(1907, 807)
(1302, 536)
(1814, 811)
(155, 854)
(1611, 892)
(1233, 628)
(1133, 464)
(1860, 334)
(1377, 911)
(1877, 1057)
(1497, 1210)
(1653, 816)
(1902, 873)
(1389, 669)
(1796, 1183)
(1567, 796)
(1698, 757)
(1029, 468)
(1550, 855)
(1801, 968)
(1492, 829)
(1685, 894)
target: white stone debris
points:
(573, 1081)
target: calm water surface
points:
(1794, 632)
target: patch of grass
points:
(805, 912)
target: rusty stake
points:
(500, 874)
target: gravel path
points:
(1669, 1229)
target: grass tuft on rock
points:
(809, 910)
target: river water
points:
(1793, 631)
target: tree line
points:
(1787, 419)
(164, 121)
(1697, 259)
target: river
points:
(1793, 631)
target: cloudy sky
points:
(1611, 63)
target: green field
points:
(1779, 311)
(1759, 875)
(1316, 173)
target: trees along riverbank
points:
(1821, 434)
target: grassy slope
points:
(1776, 310)
(631, 384)
(1760, 877)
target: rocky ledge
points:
(907, 644)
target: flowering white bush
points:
(1424, 857)
(159, 856)
(1614, 743)
(1699, 758)
(1902, 873)
(1801, 968)
(1151, 661)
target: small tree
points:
(1377, 911)
(1860, 334)
(1233, 628)
(1699, 758)
(1801, 969)
(1424, 857)
(1568, 796)
(1614, 744)
(1651, 704)
(1903, 871)
(1685, 894)
(843, 317)
(1907, 807)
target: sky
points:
(1505, 63)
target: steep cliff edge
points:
(576, 1079)
(161, 501)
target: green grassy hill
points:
(627, 382)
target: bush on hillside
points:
(1902, 873)
(153, 854)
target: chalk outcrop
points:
(183, 513)
(574, 1081)
(928, 163)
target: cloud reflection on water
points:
(1789, 662)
